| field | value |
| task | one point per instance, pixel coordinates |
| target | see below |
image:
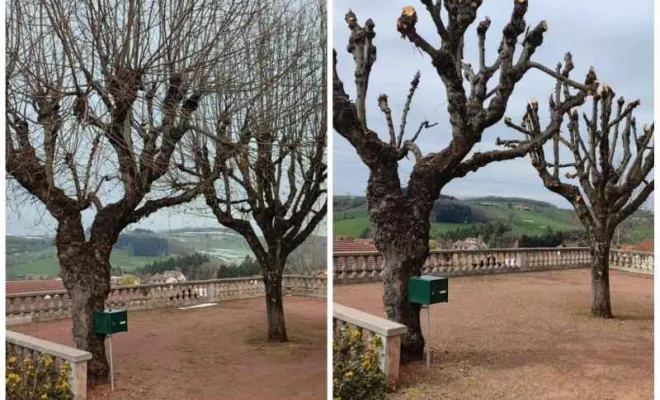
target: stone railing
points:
(389, 333)
(43, 306)
(28, 346)
(632, 261)
(355, 267)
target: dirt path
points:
(529, 336)
(213, 353)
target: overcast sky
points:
(616, 40)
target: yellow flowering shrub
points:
(31, 378)
(356, 373)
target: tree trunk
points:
(85, 272)
(275, 305)
(600, 278)
(400, 225)
(400, 264)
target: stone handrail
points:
(28, 346)
(388, 331)
(357, 267)
(632, 261)
(354, 267)
(43, 306)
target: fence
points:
(358, 267)
(44, 306)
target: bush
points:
(36, 378)
(356, 375)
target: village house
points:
(469, 244)
(166, 277)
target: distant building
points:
(350, 244)
(33, 285)
(469, 244)
(646, 246)
(166, 277)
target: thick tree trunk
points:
(600, 278)
(400, 225)
(275, 305)
(85, 272)
(400, 265)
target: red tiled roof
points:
(340, 245)
(646, 245)
(28, 286)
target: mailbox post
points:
(427, 290)
(106, 323)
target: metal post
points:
(428, 336)
(112, 374)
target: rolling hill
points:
(525, 216)
(37, 255)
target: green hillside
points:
(529, 217)
(38, 255)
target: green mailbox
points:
(110, 321)
(427, 289)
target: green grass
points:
(351, 218)
(351, 227)
(44, 262)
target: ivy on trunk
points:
(400, 220)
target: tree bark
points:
(85, 272)
(600, 278)
(275, 305)
(400, 224)
(400, 264)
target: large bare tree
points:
(261, 154)
(99, 93)
(400, 219)
(609, 164)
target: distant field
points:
(38, 256)
(44, 262)
(528, 217)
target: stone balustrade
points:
(28, 346)
(632, 261)
(43, 306)
(389, 332)
(358, 267)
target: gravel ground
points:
(212, 353)
(530, 336)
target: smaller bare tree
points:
(262, 162)
(606, 191)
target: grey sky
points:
(618, 43)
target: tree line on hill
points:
(143, 243)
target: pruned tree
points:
(400, 219)
(98, 96)
(261, 157)
(609, 167)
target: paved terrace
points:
(529, 336)
(212, 353)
